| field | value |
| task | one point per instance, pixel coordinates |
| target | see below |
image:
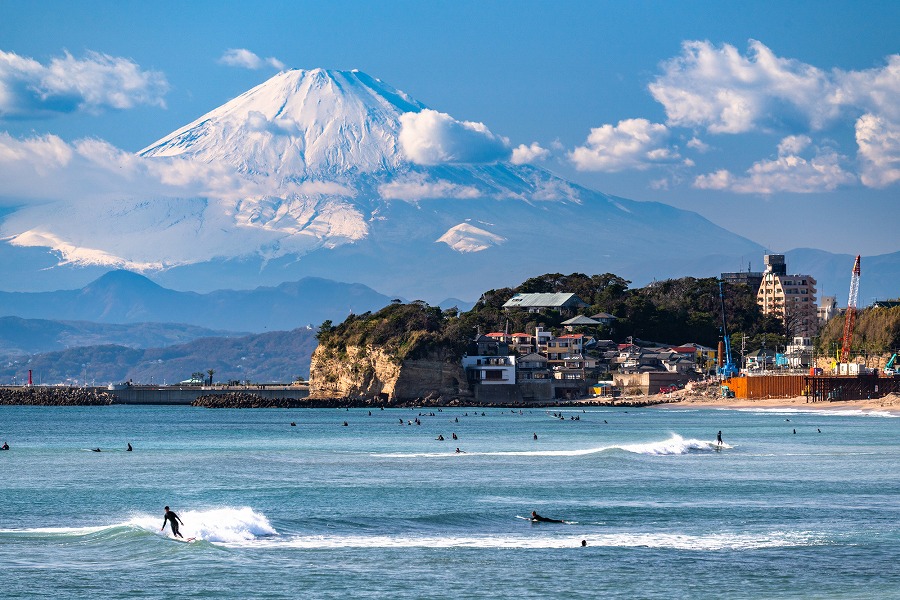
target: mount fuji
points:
(335, 174)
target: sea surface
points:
(380, 508)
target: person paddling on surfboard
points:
(539, 519)
(173, 520)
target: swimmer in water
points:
(129, 448)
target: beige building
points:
(792, 298)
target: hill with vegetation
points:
(674, 311)
(877, 331)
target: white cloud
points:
(632, 144)
(793, 144)
(726, 92)
(243, 58)
(789, 172)
(698, 145)
(97, 82)
(430, 137)
(419, 188)
(256, 121)
(879, 150)
(523, 154)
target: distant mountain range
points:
(123, 297)
(279, 356)
(31, 336)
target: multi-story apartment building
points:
(792, 298)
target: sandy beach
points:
(890, 402)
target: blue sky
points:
(778, 121)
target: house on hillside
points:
(532, 367)
(579, 321)
(562, 302)
(489, 363)
(605, 319)
(522, 343)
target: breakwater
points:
(135, 394)
(50, 396)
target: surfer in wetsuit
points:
(173, 520)
(539, 519)
(719, 439)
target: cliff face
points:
(367, 371)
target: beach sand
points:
(891, 402)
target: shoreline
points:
(890, 402)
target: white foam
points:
(672, 446)
(721, 541)
(58, 530)
(214, 525)
(825, 412)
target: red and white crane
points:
(850, 318)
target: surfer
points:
(440, 438)
(719, 439)
(535, 436)
(539, 519)
(458, 451)
(95, 449)
(129, 448)
(454, 437)
(173, 520)
(5, 446)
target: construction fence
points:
(816, 388)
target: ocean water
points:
(376, 509)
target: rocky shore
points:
(51, 396)
(249, 400)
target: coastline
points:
(890, 402)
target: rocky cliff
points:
(373, 372)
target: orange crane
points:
(850, 318)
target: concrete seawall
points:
(147, 394)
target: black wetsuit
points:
(539, 518)
(173, 520)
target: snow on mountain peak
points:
(300, 124)
(466, 238)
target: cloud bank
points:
(91, 84)
(788, 172)
(420, 188)
(724, 92)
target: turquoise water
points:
(382, 510)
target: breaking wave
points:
(673, 446)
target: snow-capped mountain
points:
(300, 125)
(335, 174)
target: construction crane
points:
(850, 318)
(727, 368)
(889, 368)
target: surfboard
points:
(182, 540)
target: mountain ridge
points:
(309, 301)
